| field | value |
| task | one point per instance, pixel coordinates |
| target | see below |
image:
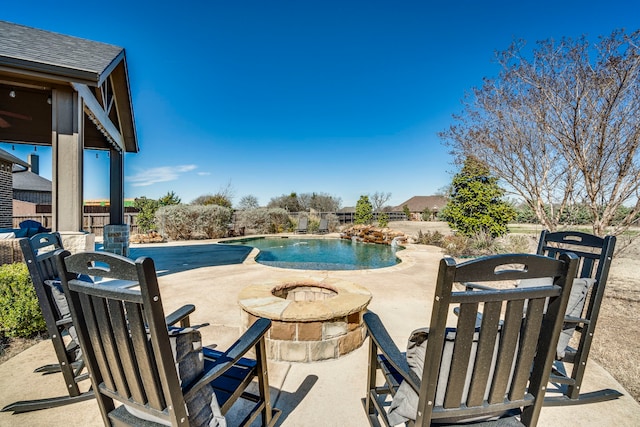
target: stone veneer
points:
(116, 239)
(78, 241)
(311, 320)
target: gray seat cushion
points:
(404, 405)
(577, 300)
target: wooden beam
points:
(122, 98)
(92, 104)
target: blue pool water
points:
(320, 254)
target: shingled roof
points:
(26, 180)
(65, 56)
(10, 158)
(46, 57)
(419, 203)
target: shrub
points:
(456, 245)
(383, 219)
(185, 222)
(433, 238)
(482, 243)
(265, 220)
(314, 224)
(146, 213)
(279, 221)
(20, 314)
(518, 243)
(333, 222)
(407, 212)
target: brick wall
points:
(23, 208)
(6, 194)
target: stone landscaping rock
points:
(372, 234)
(150, 237)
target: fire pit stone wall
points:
(311, 319)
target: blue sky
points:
(270, 97)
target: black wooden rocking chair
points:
(595, 255)
(495, 373)
(38, 254)
(133, 358)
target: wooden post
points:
(116, 190)
(67, 156)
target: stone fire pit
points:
(311, 320)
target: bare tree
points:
(304, 199)
(323, 202)
(378, 199)
(561, 128)
(248, 202)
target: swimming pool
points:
(320, 254)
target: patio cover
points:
(71, 94)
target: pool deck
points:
(326, 393)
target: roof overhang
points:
(96, 71)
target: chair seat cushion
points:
(577, 299)
(61, 304)
(404, 405)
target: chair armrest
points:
(64, 321)
(181, 315)
(246, 342)
(382, 340)
(571, 319)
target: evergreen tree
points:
(169, 199)
(146, 213)
(364, 211)
(475, 204)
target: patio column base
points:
(78, 241)
(116, 239)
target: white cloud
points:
(204, 173)
(159, 174)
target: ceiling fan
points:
(5, 124)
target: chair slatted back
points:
(124, 335)
(38, 252)
(595, 253)
(516, 333)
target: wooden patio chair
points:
(161, 376)
(494, 373)
(596, 254)
(323, 228)
(303, 225)
(38, 254)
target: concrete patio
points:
(326, 393)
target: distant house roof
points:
(48, 56)
(419, 203)
(10, 158)
(26, 180)
(347, 209)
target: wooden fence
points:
(349, 217)
(95, 222)
(91, 223)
